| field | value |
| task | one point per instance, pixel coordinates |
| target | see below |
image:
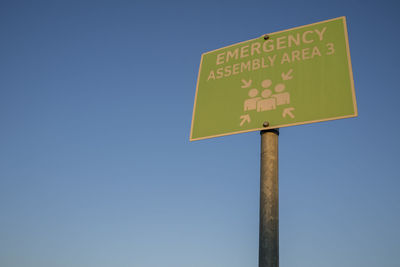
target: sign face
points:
(297, 76)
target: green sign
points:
(297, 76)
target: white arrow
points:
(287, 76)
(288, 111)
(246, 84)
(244, 119)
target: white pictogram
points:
(251, 103)
(267, 103)
(288, 111)
(287, 76)
(281, 98)
(246, 84)
(244, 119)
(269, 99)
(266, 83)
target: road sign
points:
(297, 76)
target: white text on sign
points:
(267, 58)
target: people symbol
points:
(266, 103)
(270, 99)
(281, 98)
(251, 103)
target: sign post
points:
(269, 200)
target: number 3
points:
(331, 50)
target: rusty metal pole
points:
(269, 200)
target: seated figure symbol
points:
(251, 103)
(267, 103)
(281, 98)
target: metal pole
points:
(269, 200)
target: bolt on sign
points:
(297, 76)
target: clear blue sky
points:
(96, 167)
